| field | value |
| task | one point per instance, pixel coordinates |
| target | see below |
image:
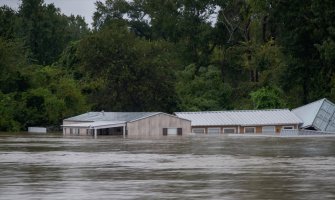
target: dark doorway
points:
(111, 131)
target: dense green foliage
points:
(159, 55)
(32, 92)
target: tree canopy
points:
(163, 55)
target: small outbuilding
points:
(242, 121)
(133, 124)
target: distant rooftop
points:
(111, 116)
(241, 117)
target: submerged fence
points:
(296, 132)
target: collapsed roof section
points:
(318, 115)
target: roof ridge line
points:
(276, 109)
(320, 100)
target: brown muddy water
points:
(197, 167)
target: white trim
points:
(228, 128)
(95, 133)
(250, 127)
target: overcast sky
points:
(84, 8)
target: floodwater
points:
(198, 167)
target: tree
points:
(8, 22)
(46, 31)
(53, 95)
(267, 98)
(202, 91)
(182, 22)
(12, 58)
(8, 110)
(125, 73)
(302, 37)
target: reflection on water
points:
(217, 167)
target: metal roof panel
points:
(96, 124)
(111, 116)
(241, 117)
(308, 112)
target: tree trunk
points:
(252, 76)
(265, 22)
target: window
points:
(229, 130)
(249, 130)
(213, 130)
(288, 127)
(89, 131)
(172, 131)
(198, 130)
(179, 131)
(74, 131)
(268, 129)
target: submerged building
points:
(242, 121)
(318, 115)
(137, 124)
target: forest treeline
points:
(163, 55)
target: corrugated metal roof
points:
(96, 124)
(241, 117)
(111, 116)
(308, 112)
